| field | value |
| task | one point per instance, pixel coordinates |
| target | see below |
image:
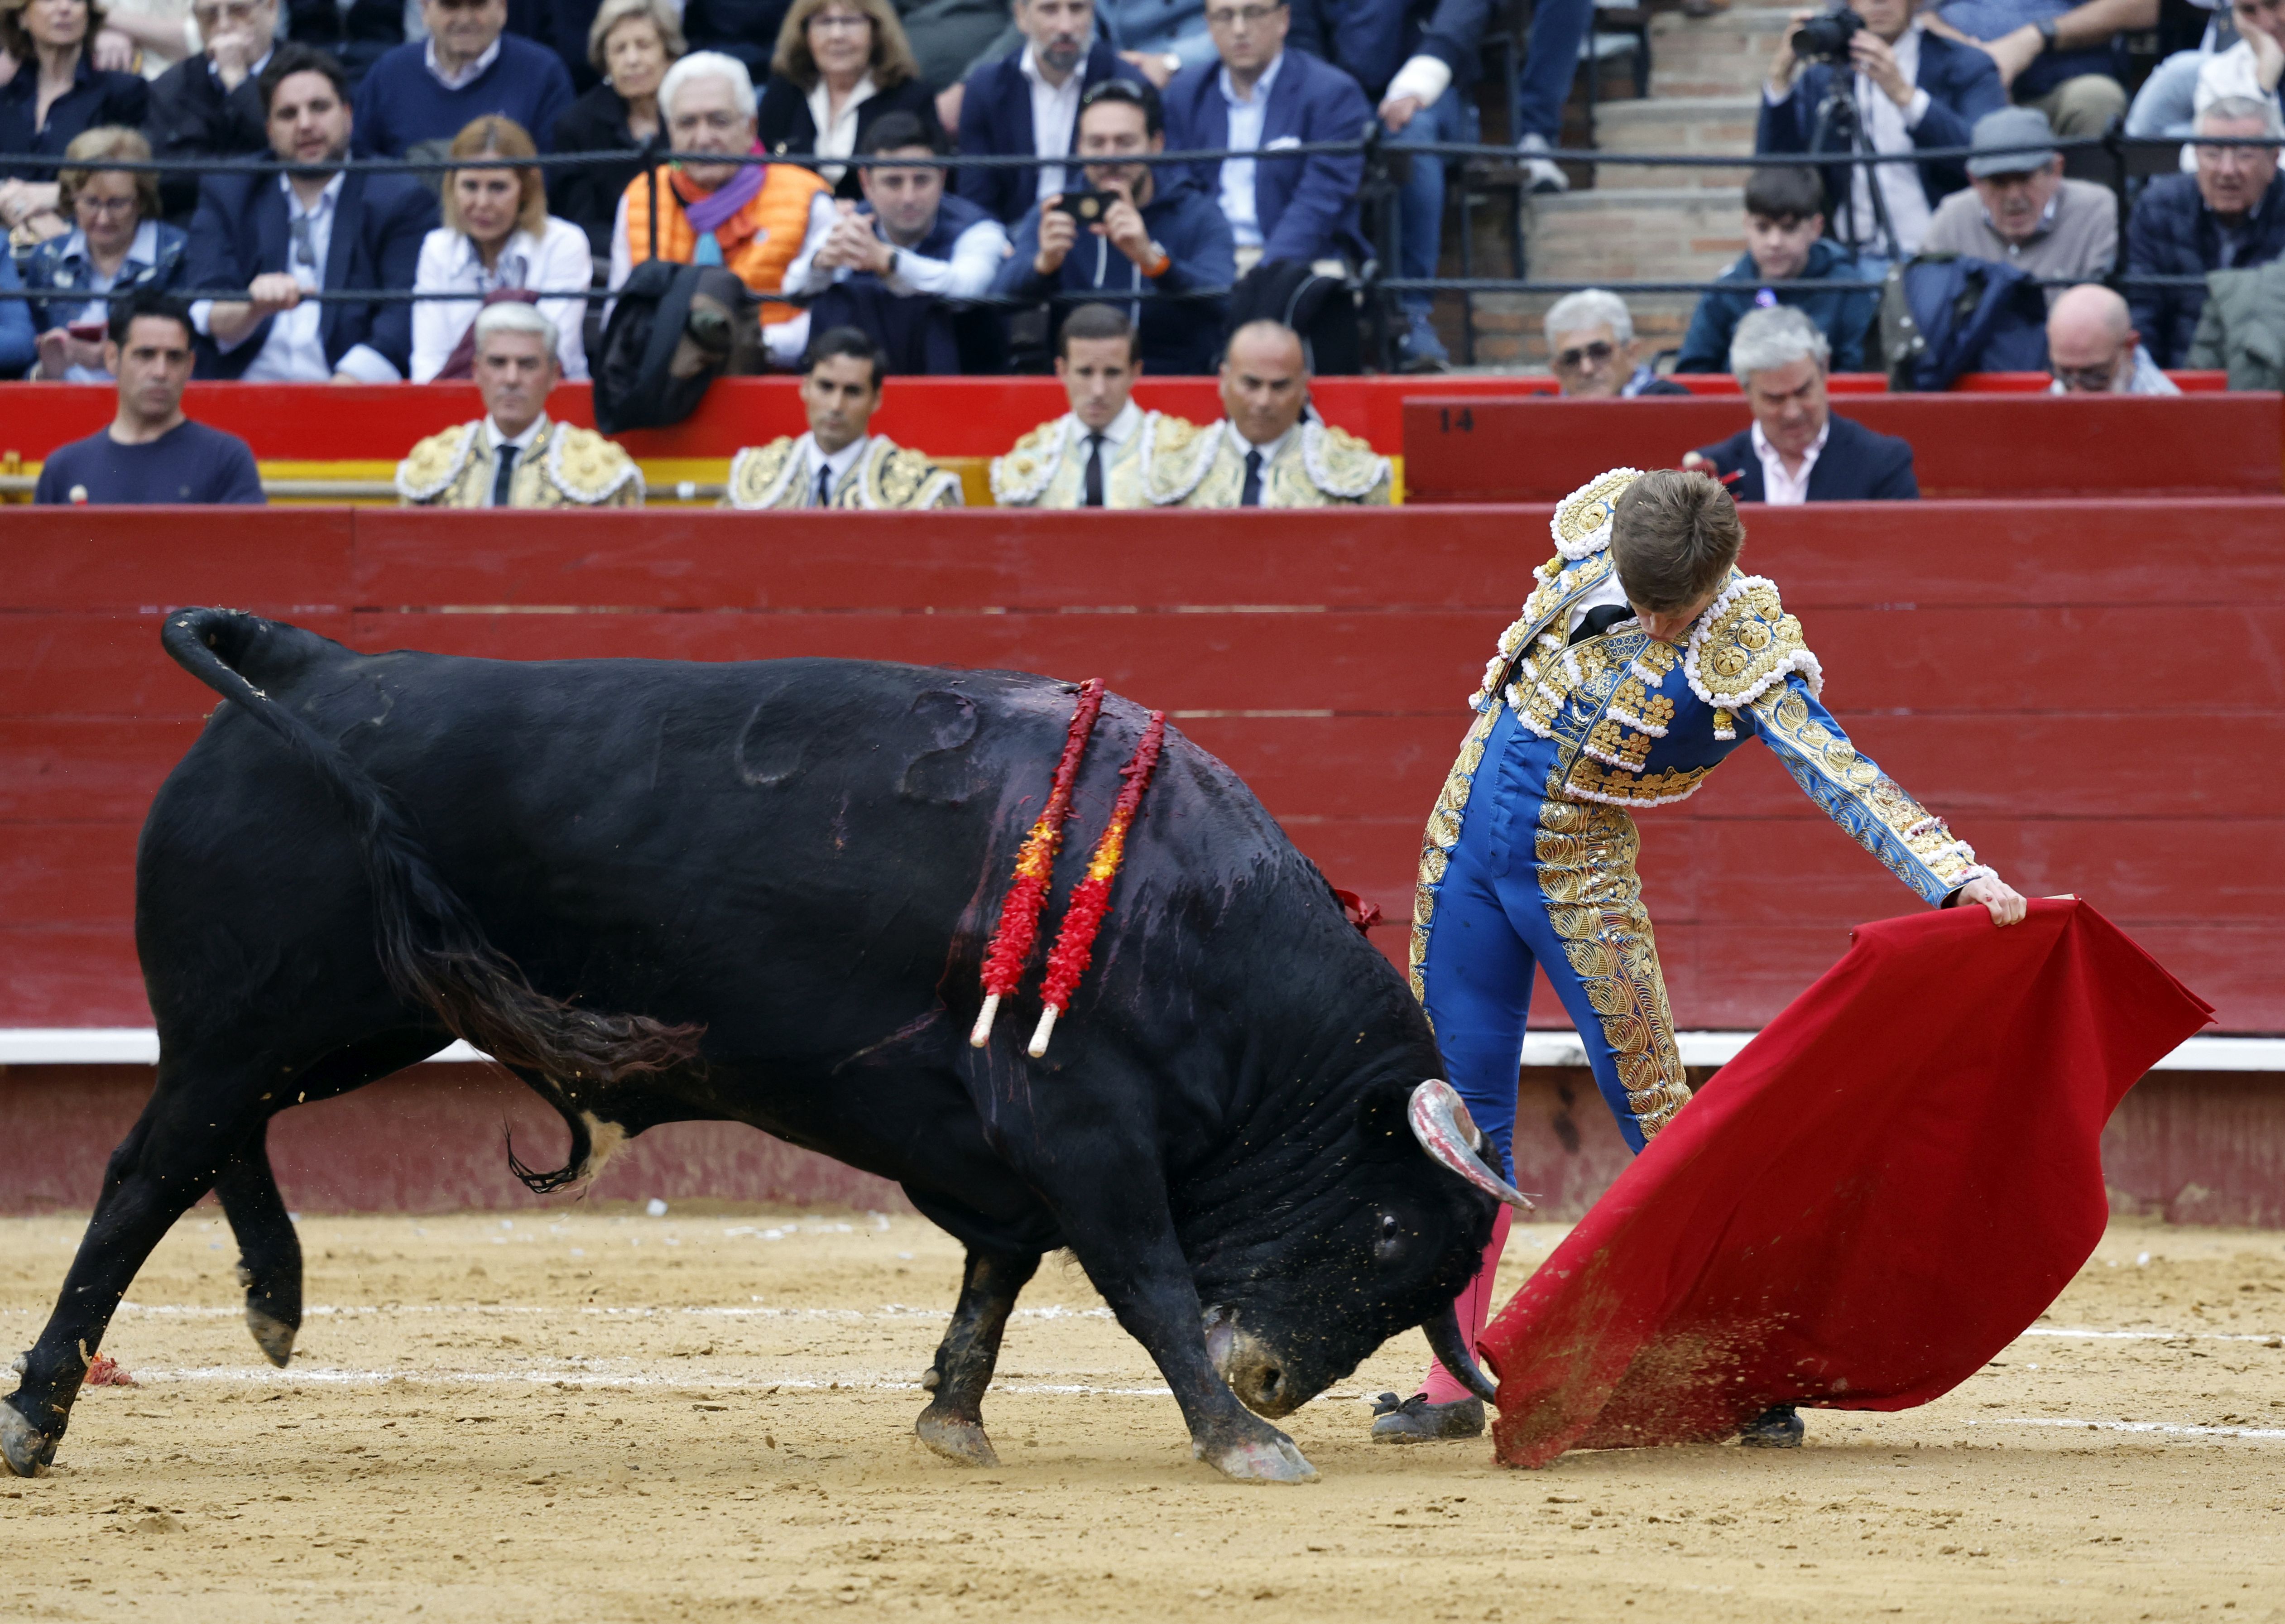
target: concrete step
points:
(1718, 126)
(1725, 55)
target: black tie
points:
(1250, 496)
(1600, 619)
(504, 474)
(825, 486)
(1094, 471)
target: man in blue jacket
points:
(1785, 242)
(1798, 449)
(1416, 59)
(280, 236)
(1258, 96)
(1161, 232)
(2228, 215)
(1915, 90)
(418, 97)
(1028, 102)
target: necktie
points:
(1250, 496)
(1599, 620)
(504, 474)
(825, 486)
(1094, 471)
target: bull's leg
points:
(269, 1251)
(197, 1119)
(953, 1425)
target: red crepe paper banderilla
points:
(1010, 947)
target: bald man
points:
(1267, 450)
(2092, 348)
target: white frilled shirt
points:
(559, 257)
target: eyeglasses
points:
(840, 22)
(2086, 380)
(85, 204)
(229, 11)
(1230, 17)
(1598, 352)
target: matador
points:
(1643, 657)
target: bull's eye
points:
(1391, 1239)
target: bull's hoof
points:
(1273, 1459)
(26, 1452)
(273, 1335)
(956, 1439)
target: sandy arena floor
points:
(602, 1415)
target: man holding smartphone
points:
(1145, 236)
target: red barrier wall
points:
(2084, 687)
(1471, 450)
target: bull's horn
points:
(1451, 1350)
(1441, 1124)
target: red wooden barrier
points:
(2077, 684)
(1471, 450)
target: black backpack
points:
(673, 331)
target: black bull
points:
(760, 893)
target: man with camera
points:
(1136, 226)
(1869, 76)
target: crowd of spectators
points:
(949, 271)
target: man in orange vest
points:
(755, 220)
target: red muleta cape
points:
(1878, 1194)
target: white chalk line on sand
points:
(333, 1376)
(886, 1311)
(2167, 1428)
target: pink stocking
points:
(1442, 1387)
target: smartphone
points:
(1087, 207)
(89, 331)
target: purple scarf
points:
(717, 207)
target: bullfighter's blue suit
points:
(1529, 856)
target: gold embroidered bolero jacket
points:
(567, 466)
(1047, 467)
(1184, 465)
(1630, 721)
(884, 475)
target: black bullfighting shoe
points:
(1417, 1421)
(1773, 1428)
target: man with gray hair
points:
(2228, 215)
(1590, 349)
(1798, 449)
(513, 456)
(2021, 211)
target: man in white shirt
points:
(840, 463)
(1797, 450)
(1088, 457)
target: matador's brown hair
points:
(1674, 535)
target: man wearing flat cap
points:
(2019, 210)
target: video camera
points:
(1824, 37)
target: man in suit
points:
(209, 105)
(1915, 89)
(1798, 449)
(315, 227)
(1258, 96)
(1028, 102)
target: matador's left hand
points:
(2006, 902)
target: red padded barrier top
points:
(1462, 449)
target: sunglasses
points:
(2085, 379)
(1598, 352)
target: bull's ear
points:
(1382, 1124)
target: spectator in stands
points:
(419, 97)
(497, 237)
(2230, 215)
(17, 349)
(210, 105)
(758, 220)
(1590, 349)
(54, 93)
(2022, 211)
(839, 463)
(151, 453)
(1028, 102)
(1086, 457)
(2243, 327)
(516, 456)
(1160, 230)
(1417, 60)
(1915, 90)
(1258, 96)
(2242, 54)
(1270, 451)
(1785, 241)
(1799, 449)
(900, 265)
(840, 64)
(632, 43)
(2093, 350)
(2060, 58)
(318, 226)
(117, 241)
(1559, 32)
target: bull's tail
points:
(431, 947)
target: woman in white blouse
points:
(496, 234)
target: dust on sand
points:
(602, 1414)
